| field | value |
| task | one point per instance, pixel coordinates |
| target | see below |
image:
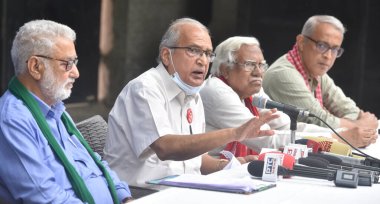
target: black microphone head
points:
(302, 141)
(320, 159)
(330, 158)
(255, 168)
(313, 162)
(259, 101)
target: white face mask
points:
(189, 90)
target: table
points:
(293, 190)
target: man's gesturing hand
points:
(251, 128)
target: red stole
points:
(237, 148)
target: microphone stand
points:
(293, 127)
(293, 113)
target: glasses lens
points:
(264, 66)
(322, 47)
(70, 64)
(212, 57)
(339, 52)
(192, 51)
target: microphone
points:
(255, 168)
(290, 110)
(316, 147)
(340, 177)
(288, 161)
(347, 163)
(366, 178)
(330, 145)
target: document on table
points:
(245, 185)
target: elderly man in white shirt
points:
(156, 127)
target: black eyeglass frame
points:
(262, 65)
(195, 51)
(323, 47)
(69, 63)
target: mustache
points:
(256, 79)
(70, 80)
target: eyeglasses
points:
(194, 51)
(251, 66)
(68, 63)
(323, 47)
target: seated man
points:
(300, 78)
(236, 75)
(156, 127)
(44, 157)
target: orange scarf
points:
(237, 148)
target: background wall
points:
(122, 36)
(83, 16)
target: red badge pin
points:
(189, 116)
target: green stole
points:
(76, 181)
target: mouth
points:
(256, 80)
(70, 84)
(324, 65)
(198, 74)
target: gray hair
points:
(313, 21)
(172, 34)
(37, 37)
(226, 52)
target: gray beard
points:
(50, 87)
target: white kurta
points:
(149, 107)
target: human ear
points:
(165, 56)
(35, 68)
(300, 39)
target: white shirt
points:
(149, 107)
(224, 109)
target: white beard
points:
(52, 89)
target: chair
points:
(94, 131)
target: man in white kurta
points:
(156, 127)
(151, 106)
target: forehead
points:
(328, 33)
(249, 52)
(64, 48)
(194, 35)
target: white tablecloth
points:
(293, 190)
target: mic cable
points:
(342, 138)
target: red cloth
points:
(294, 58)
(237, 148)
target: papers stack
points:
(244, 185)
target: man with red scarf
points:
(236, 75)
(300, 78)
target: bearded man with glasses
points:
(300, 78)
(45, 159)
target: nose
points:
(329, 54)
(203, 59)
(74, 72)
(257, 71)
